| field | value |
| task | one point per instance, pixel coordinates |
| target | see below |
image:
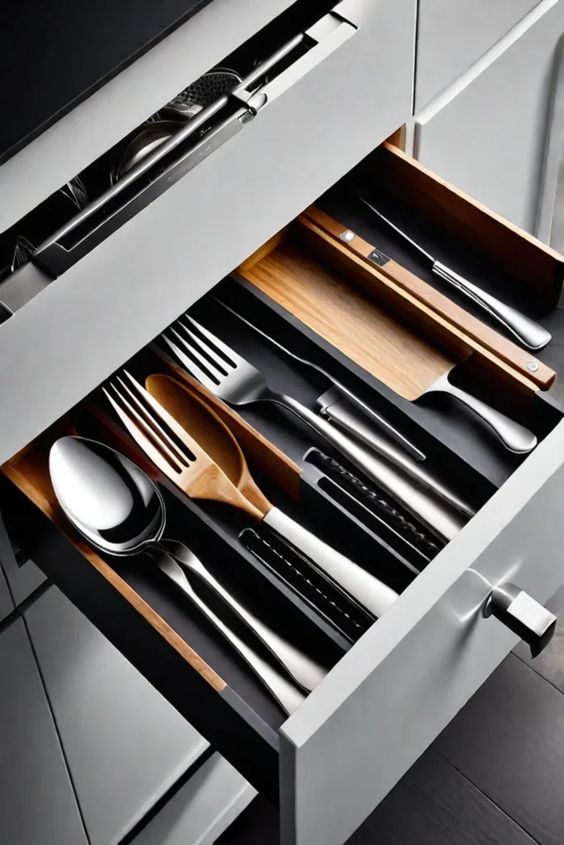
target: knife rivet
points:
(532, 366)
(347, 236)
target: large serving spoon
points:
(236, 486)
(119, 510)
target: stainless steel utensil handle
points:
(514, 436)
(361, 585)
(528, 332)
(341, 416)
(303, 669)
(286, 694)
(443, 521)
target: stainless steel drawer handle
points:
(105, 214)
(523, 615)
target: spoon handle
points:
(303, 669)
(286, 694)
(360, 584)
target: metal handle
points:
(523, 615)
(528, 332)
(302, 668)
(345, 417)
(361, 585)
(327, 34)
(286, 694)
(437, 516)
(514, 436)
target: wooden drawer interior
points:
(329, 302)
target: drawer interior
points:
(78, 216)
(309, 290)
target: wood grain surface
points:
(29, 471)
(482, 338)
(350, 319)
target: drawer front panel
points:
(489, 142)
(126, 101)
(134, 284)
(453, 34)
(404, 681)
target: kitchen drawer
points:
(452, 36)
(300, 142)
(489, 142)
(393, 689)
(6, 600)
(106, 115)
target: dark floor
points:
(495, 776)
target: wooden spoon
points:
(225, 476)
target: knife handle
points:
(441, 519)
(528, 332)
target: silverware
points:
(120, 511)
(203, 92)
(149, 137)
(528, 332)
(237, 382)
(373, 415)
(361, 422)
(225, 478)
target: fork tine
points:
(159, 430)
(230, 354)
(188, 364)
(213, 360)
(169, 467)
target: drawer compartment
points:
(396, 681)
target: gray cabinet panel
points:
(487, 134)
(453, 34)
(36, 798)
(202, 809)
(125, 745)
(6, 600)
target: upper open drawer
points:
(127, 289)
(105, 107)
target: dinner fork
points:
(163, 441)
(237, 382)
(181, 458)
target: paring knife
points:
(528, 332)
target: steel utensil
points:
(120, 511)
(237, 382)
(203, 92)
(181, 433)
(528, 332)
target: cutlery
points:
(202, 93)
(375, 339)
(528, 332)
(373, 415)
(236, 381)
(151, 135)
(198, 452)
(118, 509)
(357, 421)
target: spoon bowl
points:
(110, 501)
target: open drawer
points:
(324, 289)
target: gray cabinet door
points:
(453, 34)
(37, 804)
(125, 745)
(487, 133)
